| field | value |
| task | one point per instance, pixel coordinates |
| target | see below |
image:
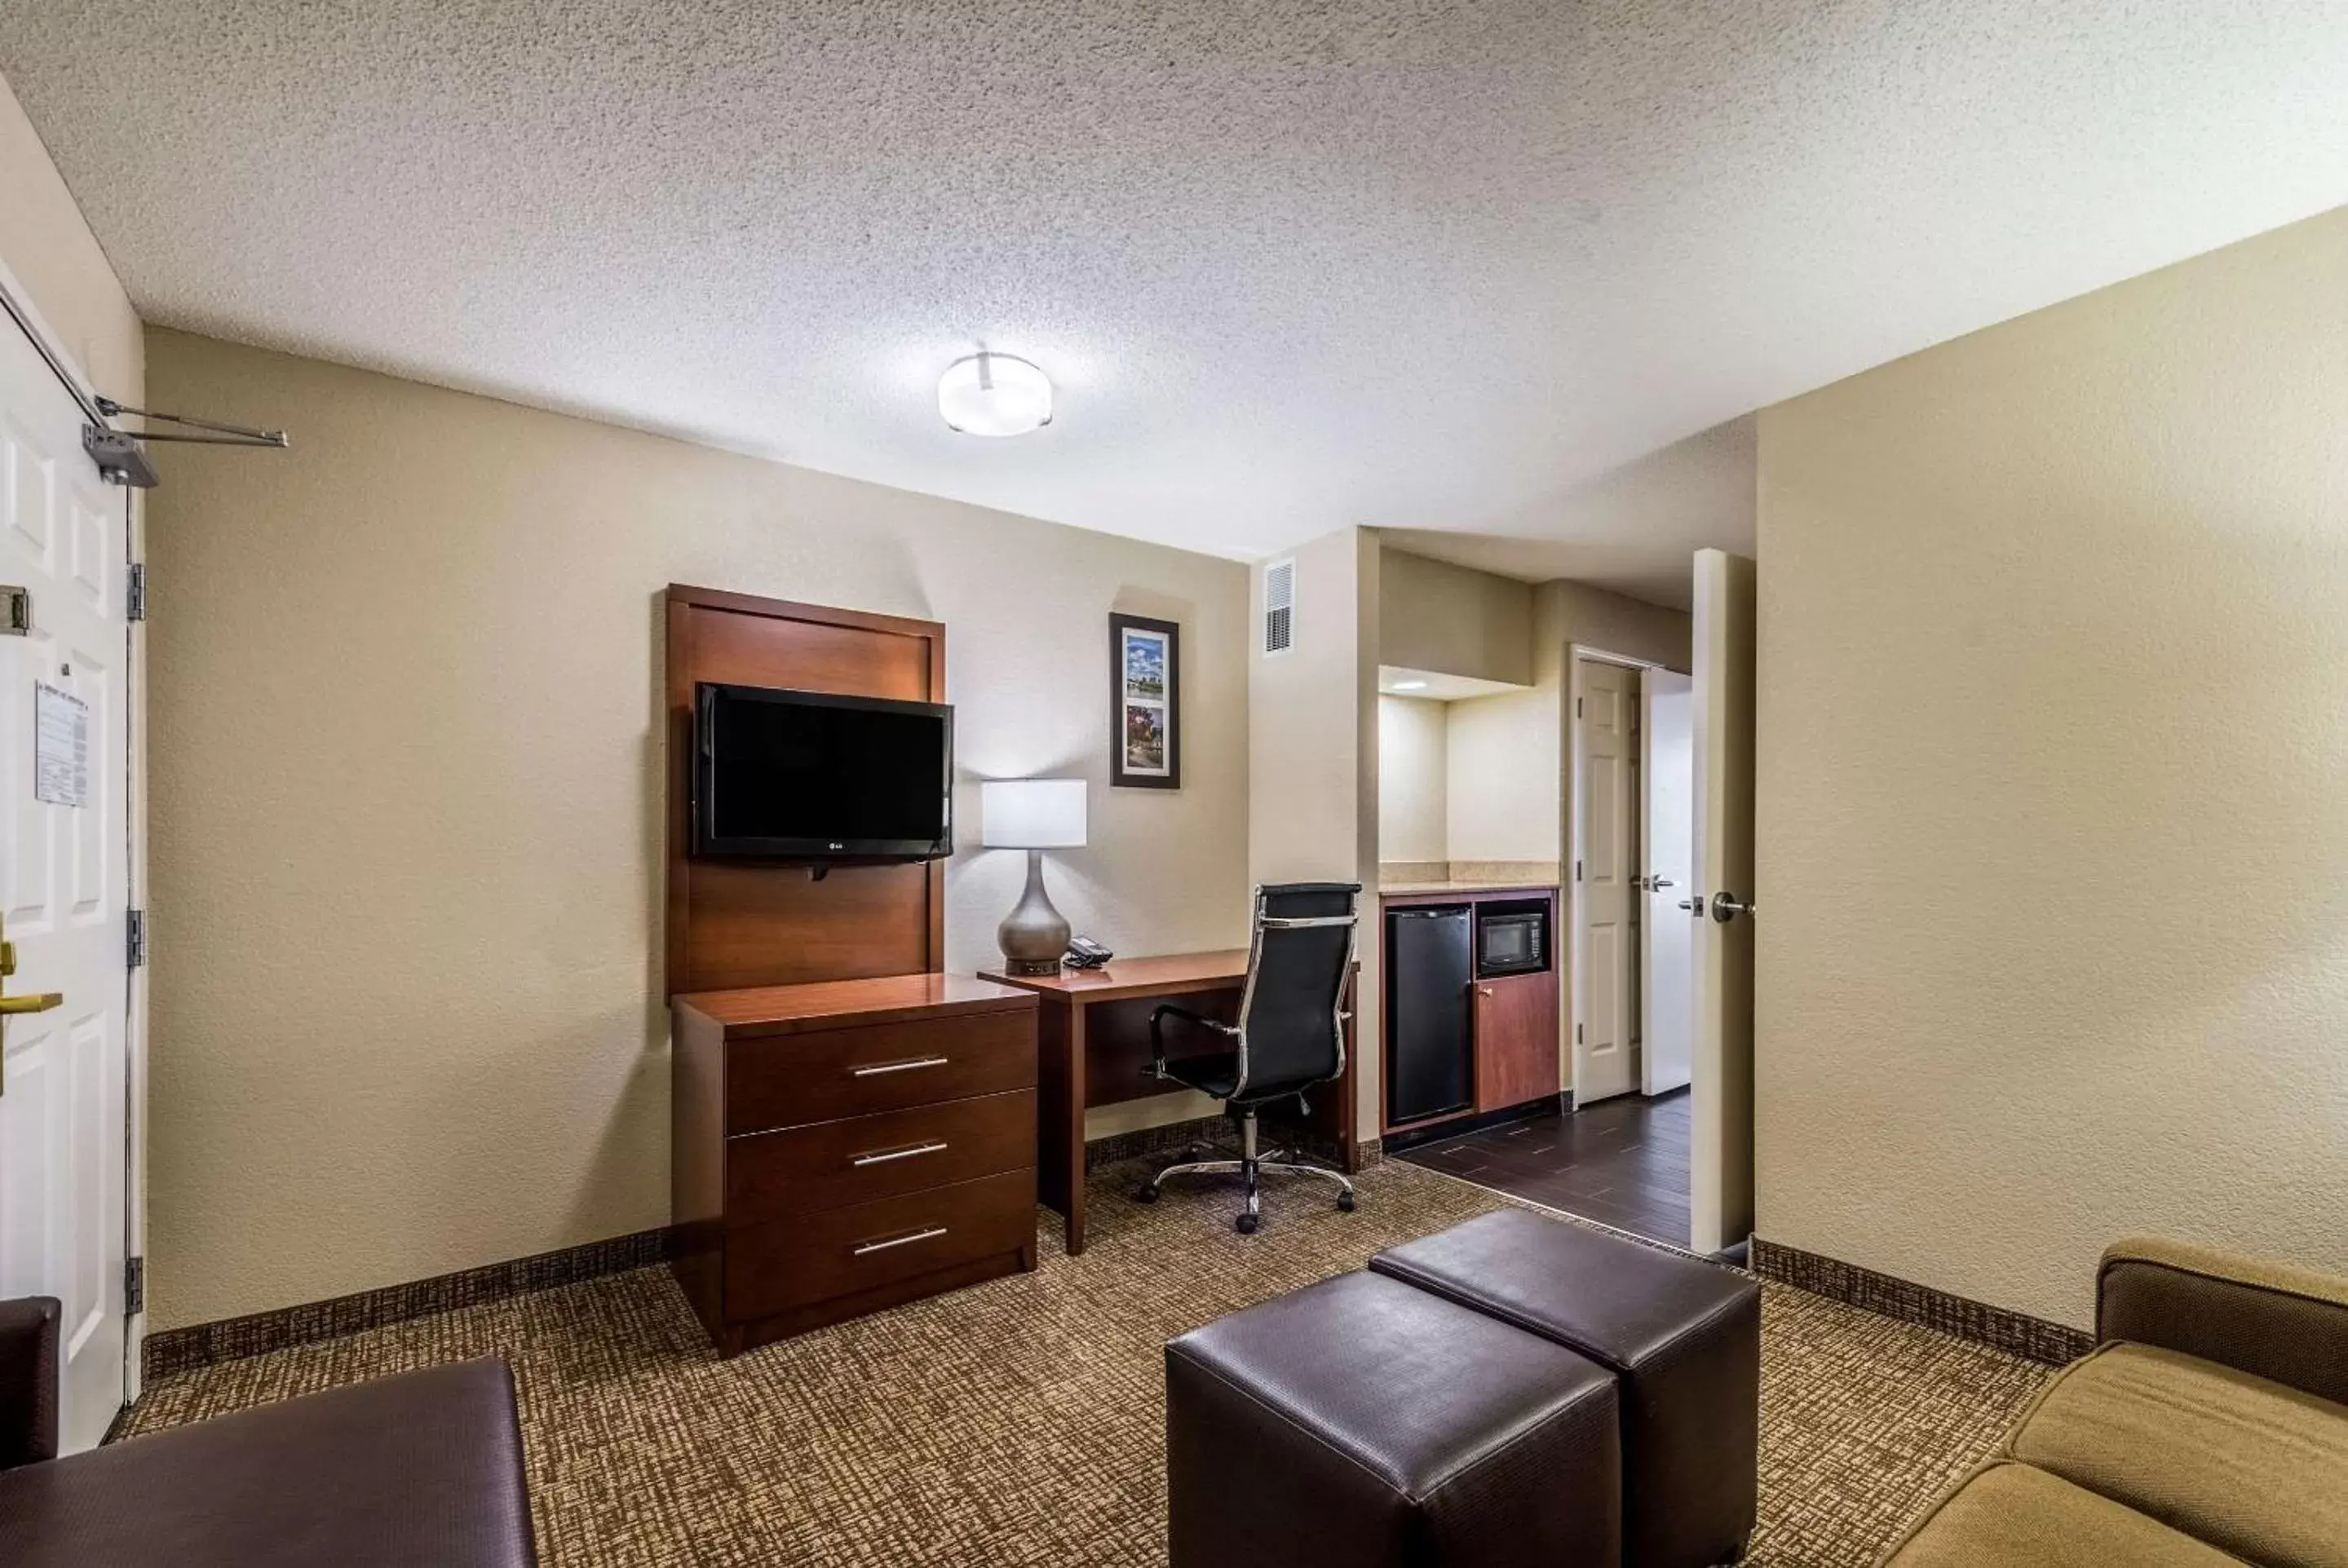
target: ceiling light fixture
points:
(1410, 685)
(995, 394)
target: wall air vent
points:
(1279, 606)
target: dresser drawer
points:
(790, 1080)
(831, 1164)
(791, 1263)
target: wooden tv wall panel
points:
(733, 924)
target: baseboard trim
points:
(235, 1338)
(184, 1349)
(2015, 1333)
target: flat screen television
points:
(807, 775)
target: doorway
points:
(1667, 851)
(1630, 803)
(67, 1041)
(1620, 1155)
(1655, 1134)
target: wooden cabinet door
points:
(1516, 1040)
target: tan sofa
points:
(2208, 1427)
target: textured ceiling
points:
(1294, 265)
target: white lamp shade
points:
(995, 394)
(1032, 814)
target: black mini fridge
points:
(1430, 962)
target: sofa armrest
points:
(28, 1381)
(2271, 1320)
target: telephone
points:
(1084, 953)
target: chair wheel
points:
(1245, 1224)
(1147, 1194)
(1345, 1202)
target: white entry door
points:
(63, 890)
(1667, 934)
(1720, 1156)
(1606, 857)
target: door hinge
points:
(1577, 707)
(1577, 871)
(135, 594)
(134, 1286)
(136, 946)
(1577, 1034)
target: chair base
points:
(1249, 1167)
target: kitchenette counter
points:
(1471, 997)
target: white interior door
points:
(1720, 1163)
(1605, 903)
(63, 891)
(1667, 828)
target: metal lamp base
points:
(1034, 936)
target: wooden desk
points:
(1094, 1050)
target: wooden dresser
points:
(847, 1145)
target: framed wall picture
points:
(1145, 746)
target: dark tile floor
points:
(1623, 1162)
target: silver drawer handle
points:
(878, 1067)
(885, 1155)
(930, 1234)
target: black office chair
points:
(1290, 1038)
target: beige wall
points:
(55, 260)
(1567, 613)
(2054, 754)
(405, 806)
(1506, 758)
(1436, 616)
(1312, 751)
(1412, 783)
(1502, 799)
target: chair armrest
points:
(28, 1381)
(1158, 1038)
(2271, 1320)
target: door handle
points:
(1657, 884)
(1726, 906)
(30, 1002)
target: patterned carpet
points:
(1022, 1422)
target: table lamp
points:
(1033, 814)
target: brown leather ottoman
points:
(1683, 1336)
(1364, 1423)
(425, 1468)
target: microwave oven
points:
(1511, 938)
